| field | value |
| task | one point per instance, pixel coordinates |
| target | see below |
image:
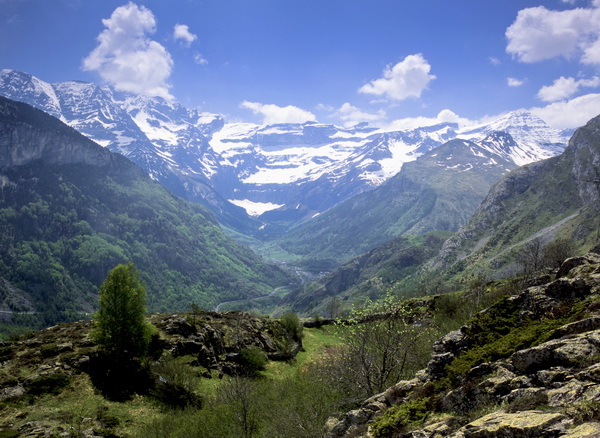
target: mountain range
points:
(262, 179)
(70, 210)
(556, 200)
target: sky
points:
(392, 63)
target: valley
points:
(401, 283)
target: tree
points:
(382, 343)
(557, 251)
(120, 325)
(530, 258)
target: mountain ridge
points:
(282, 174)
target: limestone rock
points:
(525, 424)
(557, 352)
(586, 430)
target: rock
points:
(590, 259)
(11, 392)
(566, 394)
(550, 376)
(586, 430)
(557, 352)
(178, 325)
(66, 347)
(577, 327)
(525, 424)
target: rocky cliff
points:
(528, 366)
(26, 135)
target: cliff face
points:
(27, 135)
(528, 366)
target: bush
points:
(175, 385)
(49, 350)
(399, 417)
(292, 325)
(47, 384)
(252, 359)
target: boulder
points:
(586, 430)
(525, 424)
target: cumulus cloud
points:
(494, 61)
(514, 82)
(182, 32)
(408, 78)
(563, 88)
(444, 116)
(570, 113)
(351, 115)
(539, 33)
(276, 114)
(127, 58)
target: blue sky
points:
(393, 63)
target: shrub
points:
(47, 384)
(399, 417)
(292, 325)
(252, 359)
(49, 350)
(175, 385)
(6, 353)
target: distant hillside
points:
(71, 210)
(557, 197)
(438, 191)
(367, 276)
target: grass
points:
(78, 403)
(315, 342)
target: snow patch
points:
(254, 208)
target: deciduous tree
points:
(120, 325)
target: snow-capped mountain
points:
(285, 173)
(533, 139)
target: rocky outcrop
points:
(549, 388)
(28, 134)
(215, 338)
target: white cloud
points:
(182, 32)
(126, 58)
(494, 61)
(563, 88)
(444, 116)
(539, 33)
(408, 78)
(352, 115)
(276, 114)
(571, 113)
(200, 59)
(514, 82)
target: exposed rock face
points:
(560, 375)
(24, 137)
(212, 337)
